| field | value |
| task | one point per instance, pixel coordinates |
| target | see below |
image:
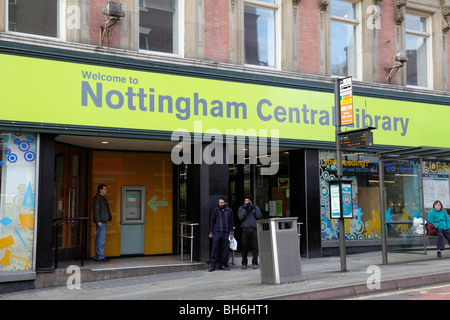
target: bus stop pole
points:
(382, 213)
(424, 215)
(337, 110)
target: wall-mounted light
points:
(113, 14)
(400, 59)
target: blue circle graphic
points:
(12, 158)
(29, 156)
(24, 146)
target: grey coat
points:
(101, 209)
(248, 216)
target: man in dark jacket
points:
(248, 214)
(221, 230)
(102, 214)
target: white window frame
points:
(276, 7)
(428, 36)
(180, 30)
(358, 36)
(61, 23)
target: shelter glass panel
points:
(403, 198)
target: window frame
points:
(60, 22)
(276, 7)
(429, 36)
(357, 22)
(180, 30)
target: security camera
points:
(113, 14)
(401, 57)
(114, 10)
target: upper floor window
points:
(345, 38)
(260, 18)
(417, 49)
(159, 22)
(39, 17)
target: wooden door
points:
(70, 197)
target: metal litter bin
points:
(279, 251)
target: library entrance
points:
(70, 185)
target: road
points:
(436, 292)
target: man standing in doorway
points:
(221, 230)
(248, 213)
(102, 214)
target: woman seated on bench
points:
(439, 217)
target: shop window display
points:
(402, 179)
(17, 201)
(362, 170)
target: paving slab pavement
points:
(323, 279)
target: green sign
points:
(65, 93)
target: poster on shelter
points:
(436, 187)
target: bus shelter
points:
(410, 180)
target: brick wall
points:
(217, 36)
(308, 21)
(386, 40)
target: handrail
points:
(83, 238)
(188, 236)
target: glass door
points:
(70, 198)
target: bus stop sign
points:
(341, 199)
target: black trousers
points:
(249, 241)
(219, 250)
(441, 233)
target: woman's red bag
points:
(431, 229)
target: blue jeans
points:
(99, 243)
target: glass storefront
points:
(273, 191)
(362, 170)
(402, 179)
(17, 201)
